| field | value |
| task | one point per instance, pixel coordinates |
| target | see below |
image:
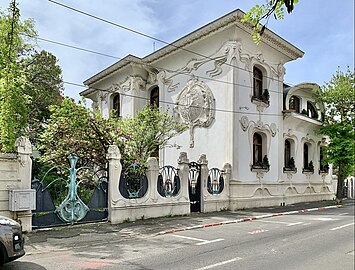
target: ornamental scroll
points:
(195, 106)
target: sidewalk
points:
(46, 240)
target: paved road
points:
(315, 240)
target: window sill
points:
(289, 170)
(307, 171)
(259, 168)
(260, 102)
(323, 172)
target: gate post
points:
(226, 173)
(24, 151)
(204, 175)
(183, 166)
(152, 174)
(114, 173)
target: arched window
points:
(116, 105)
(294, 104)
(287, 154)
(258, 83)
(257, 149)
(311, 111)
(305, 156)
(154, 97)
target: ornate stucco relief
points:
(133, 82)
(195, 106)
(220, 57)
(245, 124)
(252, 127)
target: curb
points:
(246, 219)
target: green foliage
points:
(24, 93)
(260, 14)
(338, 95)
(73, 128)
(13, 101)
(44, 84)
(149, 130)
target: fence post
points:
(226, 173)
(152, 174)
(183, 166)
(24, 151)
(204, 175)
(114, 173)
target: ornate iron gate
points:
(195, 186)
(70, 195)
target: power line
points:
(145, 64)
(170, 102)
(146, 35)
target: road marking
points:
(340, 227)
(219, 264)
(281, 222)
(258, 231)
(296, 223)
(343, 214)
(324, 219)
(203, 241)
(209, 242)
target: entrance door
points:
(195, 186)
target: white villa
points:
(231, 93)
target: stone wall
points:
(15, 174)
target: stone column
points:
(24, 151)
(203, 176)
(183, 166)
(115, 168)
(226, 173)
(152, 175)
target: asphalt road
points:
(314, 240)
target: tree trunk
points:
(340, 184)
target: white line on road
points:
(296, 223)
(323, 219)
(209, 242)
(340, 227)
(343, 214)
(219, 264)
(203, 241)
(281, 222)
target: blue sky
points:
(323, 29)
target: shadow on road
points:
(16, 265)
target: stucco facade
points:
(214, 80)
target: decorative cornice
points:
(229, 20)
(128, 60)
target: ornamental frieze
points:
(195, 106)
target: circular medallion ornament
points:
(195, 106)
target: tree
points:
(338, 95)
(259, 15)
(44, 85)
(150, 130)
(13, 101)
(29, 80)
(73, 128)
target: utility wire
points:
(145, 64)
(146, 35)
(172, 103)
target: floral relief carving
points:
(245, 123)
(195, 106)
(226, 51)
